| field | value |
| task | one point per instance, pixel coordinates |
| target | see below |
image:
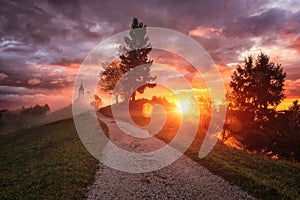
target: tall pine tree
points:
(135, 54)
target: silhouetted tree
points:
(287, 126)
(36, 110)
(109, 78)
(295, 114)
(135, 54)
(10, 119)
(46, 108)
(295, 107)
(258, 85)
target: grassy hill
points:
(46, 161)
(49, 162)
(259, 175)
(60, 114)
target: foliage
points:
(258, 85)
(133, 54)
(295, 111)
(36, 110)
(22, 117)
(287, 136)
(109, 78)
(257, 90)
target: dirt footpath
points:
(184, 179)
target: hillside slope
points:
(46, 161)
(60, 114)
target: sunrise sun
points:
(184, 106)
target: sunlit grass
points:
(257, 174)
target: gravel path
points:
(183, 179)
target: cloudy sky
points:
(43, 43)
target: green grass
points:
(257, 174)
(45, 162)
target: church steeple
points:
(81, 92)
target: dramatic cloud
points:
(205, 32)
(43, 43)
(264, 24)
(296, 44)
(34, 81)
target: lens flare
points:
(184, 106)
(147, 110)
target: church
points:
(80, 93)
